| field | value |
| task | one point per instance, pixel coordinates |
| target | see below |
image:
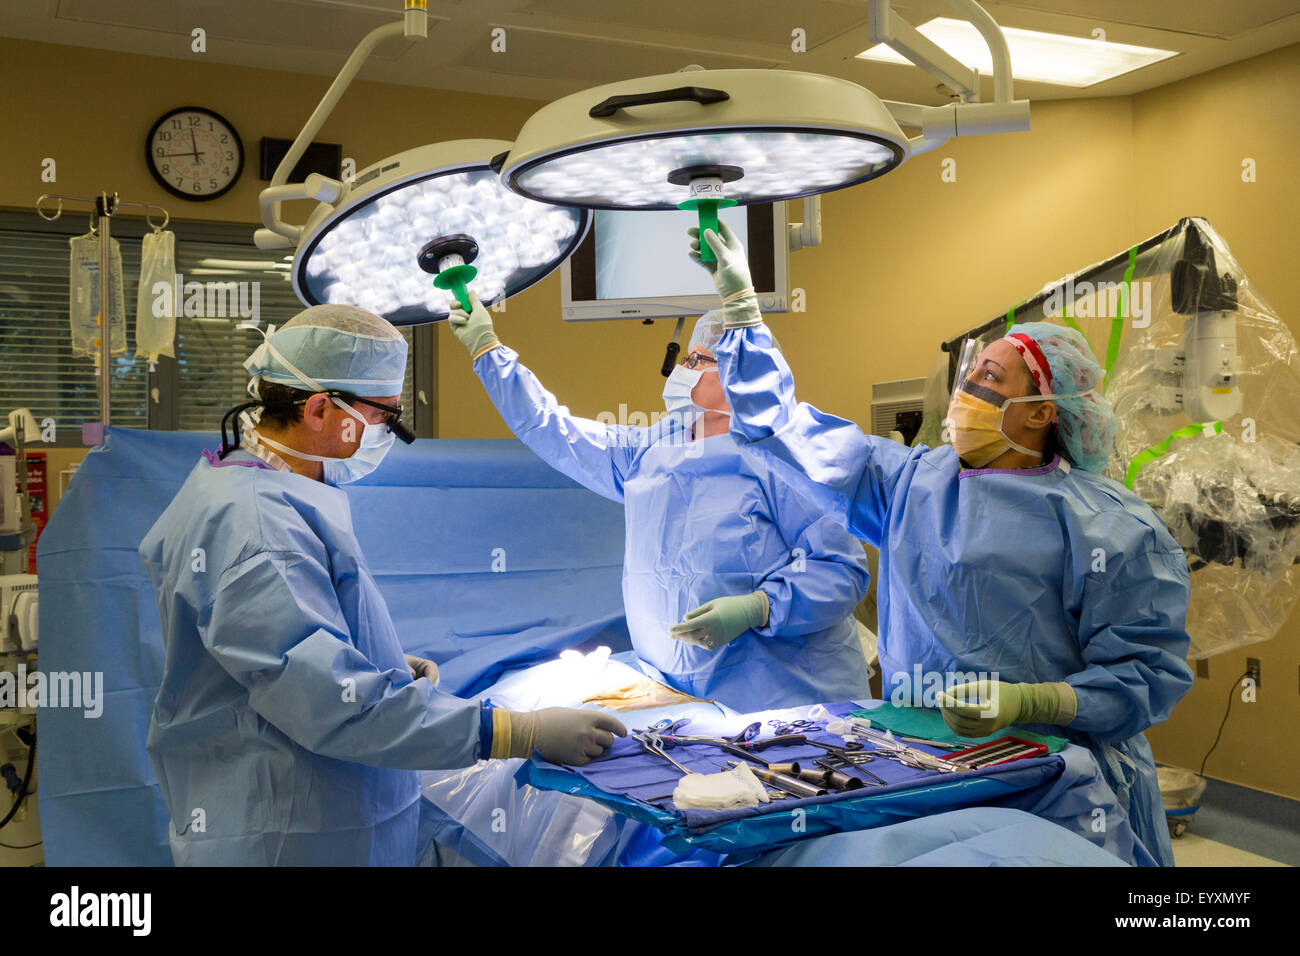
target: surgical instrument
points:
(789, 784)
(1002, 750)
(887, 745)
(829, 777)
(941, 744)
(652, 745)
(784, 728)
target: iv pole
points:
(106, 207)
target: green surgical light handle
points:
(454, 280)
(707, 211)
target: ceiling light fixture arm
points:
(938, 124)
(802, 235)
(279, 234)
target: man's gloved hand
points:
(984, 707)
(722, 620)
(474, 329)
(423, 668)
(562, 735)
(730, 275)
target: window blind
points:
(37, 367)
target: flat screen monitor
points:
(634, 265)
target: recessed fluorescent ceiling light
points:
(1038, 57)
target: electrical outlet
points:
(1252, 670)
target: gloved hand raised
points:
(562, 735)
(474, 329)
(984, 707)
(722, 620)
(730, 275)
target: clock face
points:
(194, 153)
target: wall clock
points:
(194, 153)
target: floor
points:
(1237, 826)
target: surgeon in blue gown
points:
(737, 588)
(289, 727)
(1042, 592)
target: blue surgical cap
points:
(708, 332)
(1086, 424)
(334, 346)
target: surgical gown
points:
(705, 520)
(287, 729)
(1043, 574)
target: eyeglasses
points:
(698, 360)
(393, 418)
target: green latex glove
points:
(561, 734)
(984, 707)
(730, 275)
(474, 329)
(721, 621)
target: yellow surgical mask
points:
(975, 427)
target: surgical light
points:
(371, 239)
(1040, 57)
(654, 143)
(700, 138)
(398, 241)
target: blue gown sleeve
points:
(826, 577)
(1132, 629)
(276, 627)
(841, 471)
(594, 454)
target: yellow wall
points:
(905, 262)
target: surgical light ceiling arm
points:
(801, 235)
(938, 124)
(279, 234)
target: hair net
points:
(336, 346)
(1086, 425)
(708, 332)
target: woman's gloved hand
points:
(474, 329)
(722, 620)
(984, 707)
(423, 668)
(562, 735)
(730, 275)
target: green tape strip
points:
(1011, 314)
(1069, 320)
(1155, 451)
(1117, 323)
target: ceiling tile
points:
(592, 60)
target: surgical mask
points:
(975, 425)
(376, 440)
(975, 422)
(678, 388)
(677, 393)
